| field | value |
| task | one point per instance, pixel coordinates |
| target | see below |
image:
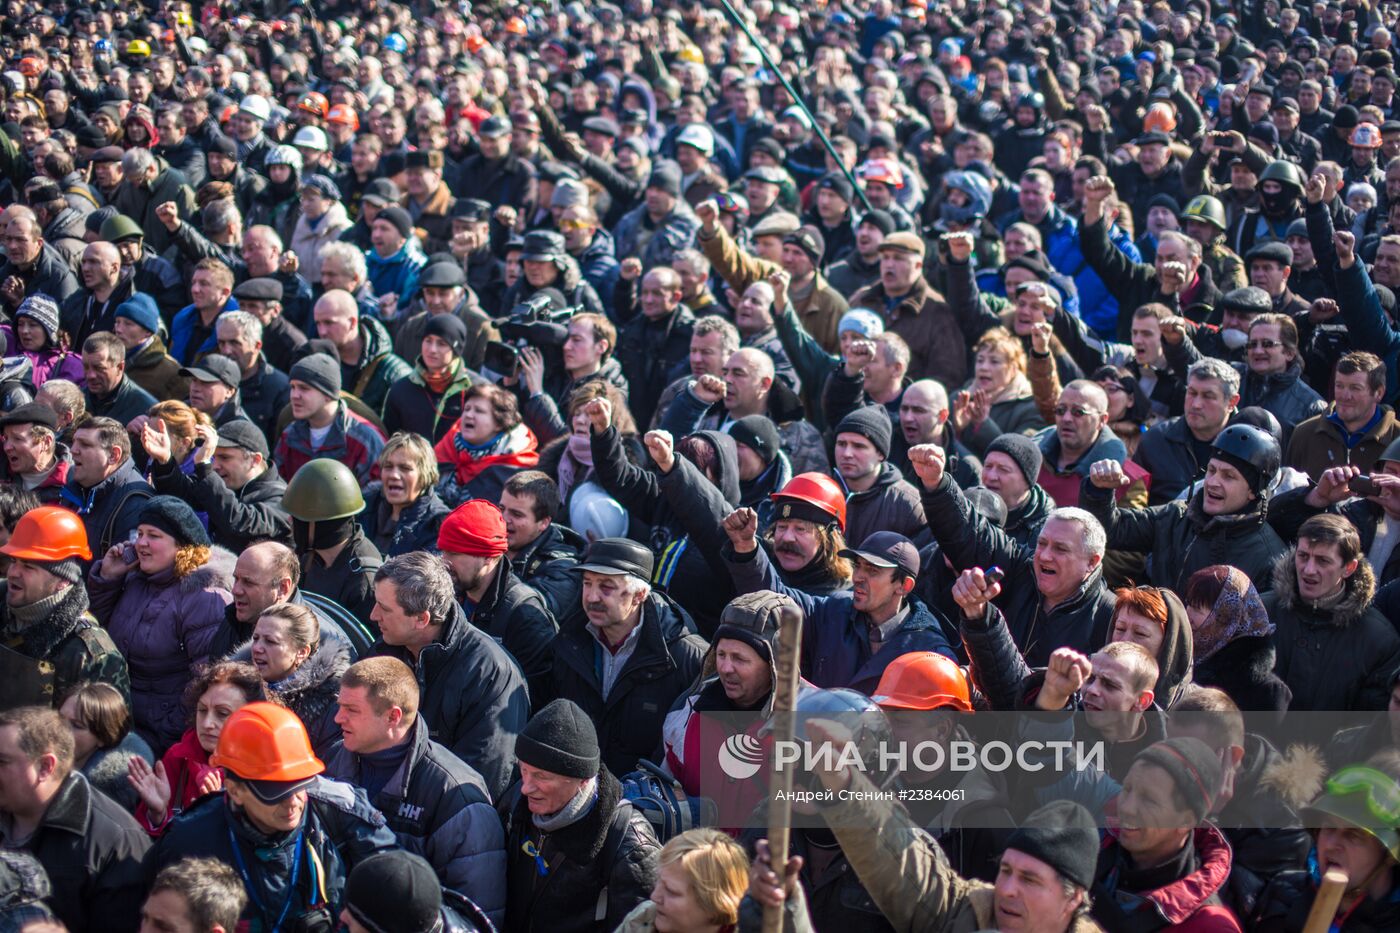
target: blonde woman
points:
(1002, 399)
(402, 508)
(703, 876)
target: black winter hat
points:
(754, 619)
(758, 433)
(560, 739)
(174, 517)
(450, 329)
(399, 218)
(320, 371)
(666, 176)
(881, 220)
(1023, 451)
(394, 892)
(871, 422)
(1193, 767)
(1061, 834)
(839, 183)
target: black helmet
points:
(1285, 173)
(1254, 451)
(1033, 100)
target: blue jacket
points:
(397, 274)
(182, 333)
(835, 648)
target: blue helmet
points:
(102, 45)
(394, 42)
(979, 192)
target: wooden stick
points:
(784, 702)
(1324, 906)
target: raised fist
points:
(929, 461)
(1065, 675)
(599, 413)
(708, 212)
(661, 446)
(959, 246)
(972, 591)
(169, 215)
(1108, 474)
(709, 389)
(741, 525)
(631, 269)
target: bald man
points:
(653, 347)
(32, 267)
(368, 364)
(266, 574)
(93, 306)
(1081, 437)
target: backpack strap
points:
(106, 540)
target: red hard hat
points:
(923, 680)
(314, 102)
(814, 489)
(343, 114)
(48, 533)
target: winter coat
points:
(1135, 284)
(340, 829)
(1337, 658)
(65, 234)
(1063, 485)
(236, 518)
(1317, 445)
(1284, 905)
(598, 263)
(310, 690)
(353, 440)
(1068, 254)
(264, 392)
(164, 626)
(190, 340)
(1168, 452)
(377, 369)
(468, 474)
(408, 336)
(1244, 669)
(349, 579)
(664, 663)
(439, 808)
(80, 314)
(92, 850)
(970, 540)
(516, 616)
(1180, 538)
(510, 181)
(599, 868)
(41, 663)
(156, 371)
(546, 566)
(836, 642)
(652, 354)
(903, 870)
(310, 237)
(1284, 395)
(937, 345)
(569, 282)
(124, 402)
(473, 697)
(892, 504)
(1191, 904)
(655, 243)
(109, 510)
(416, 529)
(541, 411)
(397, 274)
(50, 275)
(107, 768)
(186, 766)
(139, 202)
(411, 406)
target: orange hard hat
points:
(264, 742)
(31, 67)
(344, 114)
(48, 533)
(1160, 118)
(815, 490)
(315, 103)
(516, 26)
(923, 680)
(475, 44)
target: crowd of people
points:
(418, 420)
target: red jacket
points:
(186, 765)
(1187, 905)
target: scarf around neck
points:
(573, 811)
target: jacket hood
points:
(1296, 775)
(214, 574)
(1357, 593)
(67, 223)
(727, 464)
(784, 405)
(1032, 513)
(312, 687)
(1176, 902)
(889, 475)
(1174, 657)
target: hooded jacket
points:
(309, 237)
(310, 690)
(352, 440)
(1338, 657)
(1190, 903)
(65, 234)
(473, 697)
(397, 274)
(438, 807)
(545, 565)
(164, 626)
(109, 510)
(892, 504)
(665, 660)
(656, 243)
(377, 369)
(1174, 670)
(156, 371)
(1180, 538)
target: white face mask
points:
(1234, 339)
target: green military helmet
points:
(1283, 172)
(119, 228)
(1364, 797)
(323, 490)
(1206, 209)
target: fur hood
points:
(1357, 593)
(214, 574)
(310, 689)
(1296, 775)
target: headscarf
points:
(1238, 613)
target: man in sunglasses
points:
(1081, 436)
(1271, 376)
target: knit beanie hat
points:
(863, 321)
(140, 309)
(560, 739)
(1193, 767)
(1023, 451)
(757, 433)
(1061, 834)
(450, 329)
(475, 527)
(43, 311)
(399, 218)
(174, 517)
(872, 423)
(569, 193)
(394, 892)
(666, 176)
(320, 371)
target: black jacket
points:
(599, 868)
(663, 666)
(339, 826)
(124, 403)
(263, 394)
(546, 566)
(416, 529)
(41, 663)
(516, 616)
(653, 354)
(92, 851)
(1180, 538)
(1288, 512)
(473, 697)
(1340, 658)
(237, 518)
(1168, 452)
(1244, 669)
(1284, 395)
(109, 510)
(350, 580)
(1284, 906)
(50, 275)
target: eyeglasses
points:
(1079, 411)
(1262, 345)
(1382, 793)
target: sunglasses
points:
(1262, 345)
(1079, 411)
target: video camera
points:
(534, 322)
